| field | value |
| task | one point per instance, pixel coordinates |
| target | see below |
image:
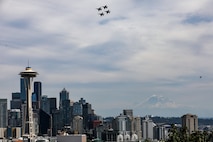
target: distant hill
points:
(177, 120)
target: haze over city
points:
(152, 56)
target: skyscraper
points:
(16, 101)
(23, 90)
(45, 105)
(190, 121)
(3, 113)
(66, 113)
(64, 95)
(52, 103)
(38, 93)
(65, 107)
(77, 109)
(87, 114)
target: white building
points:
(147, 131)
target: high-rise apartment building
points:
(190, 121)
(3, 113)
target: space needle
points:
(28, 129)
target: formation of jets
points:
(103, 10)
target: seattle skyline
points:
(152, 56)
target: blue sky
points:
(146, 55)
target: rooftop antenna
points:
(28, 63)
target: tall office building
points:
(16, 95)
(14, 118)
(23, 89)
(190, 121)
(56, 122)
(65, 107)
(3, 113)
(45, 104)
(44, 122)
(16, 101)
(87, 114)
(77, 109)
(66, 113)
(64, 95)
(48, 104)
(52, 103)
(38, 94)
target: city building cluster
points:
(38, 115)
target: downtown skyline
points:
(152, 56)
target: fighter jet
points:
(99, 9)
(105, 6)
(107, 12)
(101, 14)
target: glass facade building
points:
(3, 113)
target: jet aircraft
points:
(99, 9)
(101, 14)
(105, 6)
(107, 12)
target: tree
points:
(173, 134)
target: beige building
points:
(190, 121)
(137, 127)
(78, 125)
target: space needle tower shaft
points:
(28, 129)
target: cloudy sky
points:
(152, 56)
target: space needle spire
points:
(28, 127)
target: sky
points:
(151, 56)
